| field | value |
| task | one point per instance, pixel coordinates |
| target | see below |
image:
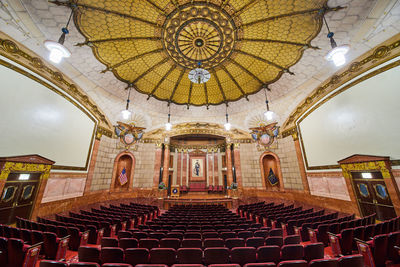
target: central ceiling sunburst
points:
(153, 45)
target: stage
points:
(198, 198)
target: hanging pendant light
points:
(199, 75)
(57, 49)
(227, 125)
(337, 54)
(168, 125)
(126, 113)
(269, 115)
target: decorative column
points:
(300, 161)
(228, 157)
(238, 169)
(157, 165)
(206, 169)
(219, 181)
(166, 164)
(187, 168)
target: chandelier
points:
(199, 75)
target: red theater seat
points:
(324, 263)
(148, 243)
(109, 242)
(116, 265)
(84, 264)
(162, 256)
(351, 261)
(234, 242)
(191, 243)
(214, 242)
(243, 255)
(89, 254)
(292, 252)
(189, 256)
(269, 254)
(313, 251)
(112, 255)
(299, 263)
(49, 263)
(216, 255)
(136, 256)
(126, 243)
(255, 242)
(260, 264)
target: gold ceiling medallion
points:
(243, 44)
(199, 32)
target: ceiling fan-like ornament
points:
(199, 75)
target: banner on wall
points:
(123, 178)
(272, 179)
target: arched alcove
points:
(123, 160)
(270, 161)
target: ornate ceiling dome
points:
(153, 45)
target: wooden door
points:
(372, 195)
(18, 196)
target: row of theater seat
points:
(176, 243)
(217, 255)
(346, 261)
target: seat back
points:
(162, 256)
(124, 234)
(15, 251)
(109, 242)
(268, 254)
(274, 241)
(84, 264)
(134, 256)
(189, 256)
(260, 264)
(234, 242)
(50, 263)
(89, 254)
(125, 243)
(351, 261)
(276, 232)
(148, 243)
(261, 233)
(379, 249)
(346, 241)
(291, 239)
(324, 263)
(213, 242)
(216, 255)
(313, 251)
(393, 240)
(255, 242)
(243, 255)
(297, 263)
(111, 254)
(292, 252)
(191, 243)
(245, 234)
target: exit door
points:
(18, 196)
(372, 194)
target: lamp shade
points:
(126, 114)
(337, 55)
(57, 51)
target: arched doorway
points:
(124, 160)
(270, 163)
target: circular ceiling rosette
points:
(153, 45)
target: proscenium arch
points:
(115, 170)
(278, 166)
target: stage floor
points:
(200, 195)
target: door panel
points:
(372, 195)
(18, 197)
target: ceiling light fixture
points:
(337, 54)
(57, 49)
(168, 125)
(269, 114)
(227, 125)
(199, 75)
(126, 113)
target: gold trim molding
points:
(375, 57)
(30, 60)
(24, 167)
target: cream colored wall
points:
(36, 120)
(108, 150)
(251, 170)
(360, 120)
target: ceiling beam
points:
(245, 7)
(131, 59)
(233, 79)
(295, 13)
(78, 5)
(190, 92)
(159, 9)
(150, 69)
(176, 84)
(205, 92)
(89, 43)
(264, 60)
(247, 71)
(219, 85)
(162, 79)
(277, 41)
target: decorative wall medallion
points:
(265, 135)
(128, 134)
